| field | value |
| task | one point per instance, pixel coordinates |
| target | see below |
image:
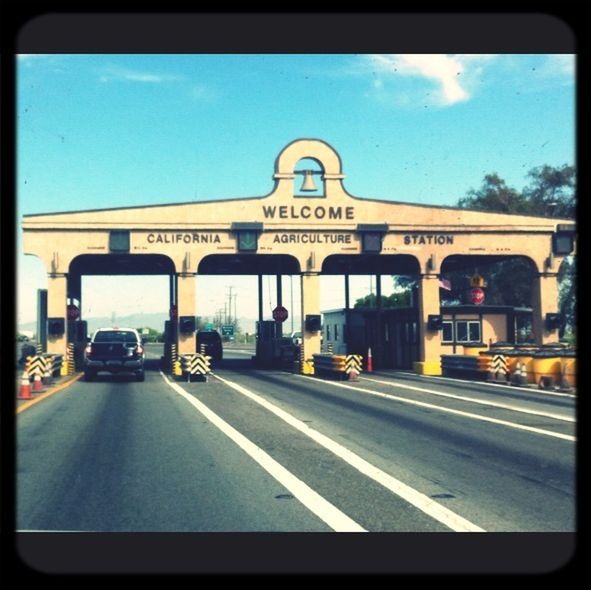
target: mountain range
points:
(144, 320)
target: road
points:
(253, 450)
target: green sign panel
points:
(227, 330)
(209, 327)
(247, 241)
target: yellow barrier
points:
(546, 367)
(428, 368)
(569, 369)
(308, 367)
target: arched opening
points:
(379, 311)
(486, 298)
(130, 290)
(238, 295)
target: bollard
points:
(38, 384)
(25, 389)
(519, 376)
(369, 361)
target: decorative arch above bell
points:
(324, 155)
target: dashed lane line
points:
(425, 504)
(473, 400)
(313, 501)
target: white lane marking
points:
(507, 387)
(322, 508)
(450, 411)
(437, 511)
(473, 400)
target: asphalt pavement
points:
(253, 450)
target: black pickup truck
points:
(116, 350)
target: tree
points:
(495, 195)
(551, 193)
(388, 301)
(567, 293)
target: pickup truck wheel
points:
(140, 376)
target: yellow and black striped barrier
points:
(36, 365)
(46, 365)
(498, 369)
(337, 365)
(195, 364)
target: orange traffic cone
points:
(38, 384)
(25, 390)
(369, 362)
(353, 375)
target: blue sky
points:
(98, 131)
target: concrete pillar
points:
(186, 289)
(260, 289)
(279, 302)
(310, 306)
(544, 300)
(430, 340)
(57, 293)
(379, 351)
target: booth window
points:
(447, 335)
(336, 332)
(327, 332)
(468, 331)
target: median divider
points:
(339, 366)
(466, 366)
(195, 364)
(549, 366)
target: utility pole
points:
(229, 318)
(235, 314)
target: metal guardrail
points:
(465, 366)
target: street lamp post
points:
(291, 300)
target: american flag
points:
(445, 284)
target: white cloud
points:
(117, 73)
(453, 75)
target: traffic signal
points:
(553, 321)
(435, 322)
(313, 323)
(187, 324)
(56, 326)
(562, 243)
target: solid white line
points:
(437, 511)
(473, 400)
(450, 411)
(507, 387)
(323, 509)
